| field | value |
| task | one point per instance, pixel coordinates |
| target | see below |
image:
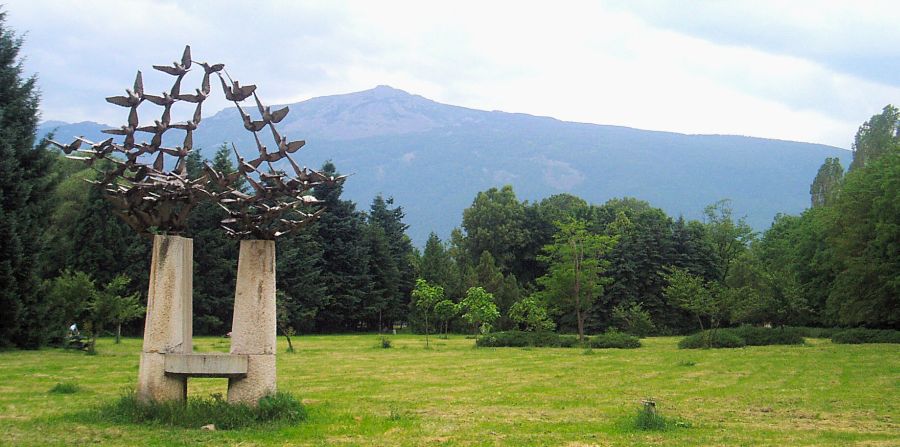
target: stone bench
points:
(231, 366)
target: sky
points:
(809, 71)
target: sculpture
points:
(153, 200)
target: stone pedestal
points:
(254, 324)
(168, 326)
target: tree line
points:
(560, 263)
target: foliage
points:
(864, 234)
(825, 186)
(425, 297)
(633, 319)
(479, 308)
(531, 313)
(521, 339)
(767, 336)
(496, 223)
(705, 299)
(279, 408)
(709, 339)
(64, 388)
(444, 311)
(26, 181)
(863, 335)
(111, 306)
(574, 279)
(614, 339)
(878, 136)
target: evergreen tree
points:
(400, 268)
(345, 258)
(300, 279)
(26, 182)
(215, 254)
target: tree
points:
(69, 296)
(878, 136)
(704, 299)
(26, 182)
(727, 237)
(864, 234)
(215, 254)
(111, 306)
(425, 297)
(574, 276)
(480, 310)
(495, 222)
(633, 319)
(345, 274)
(827, 183)
(395, 274)
(531, 313)
(444, 311)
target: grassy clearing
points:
(357, 393)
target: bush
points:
(197, 412)
(614, 339)
(64, 388)
(521, 339)
(764, 336)
(862, 335)
(721, 339)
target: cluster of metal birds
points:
(152, 199)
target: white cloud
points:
(707, 68)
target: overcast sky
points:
(801, 70)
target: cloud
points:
(811, 72)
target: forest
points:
(560, 263)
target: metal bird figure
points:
(178, 69)
(267, 114)
(132, 98)
(236, 92)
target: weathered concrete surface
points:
(259, 382)
(154, 385)
(168, 326)
(206, 365)
(253, 326)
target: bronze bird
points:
(198, 98)
(178, 69)
(68, 148)
(249, 124)
(267, 114)
(236, 92)
(132, 98)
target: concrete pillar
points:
(253, 327)
(168, 326)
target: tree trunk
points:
(426, 329)
(118, 333)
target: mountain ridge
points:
(433, 158)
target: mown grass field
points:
(359, 394)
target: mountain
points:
(433, 158)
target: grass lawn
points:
(359, 394)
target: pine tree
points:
(25, 186)
(345, 258)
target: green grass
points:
(359, 394)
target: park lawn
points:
(454, 395)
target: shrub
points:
(721, 339)
(196, 412)
(64, 388)
(385, 343)
(614, 339)
(633, 319)
(764, 336)
(648, 419)
(862, 335)
(521, 339)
